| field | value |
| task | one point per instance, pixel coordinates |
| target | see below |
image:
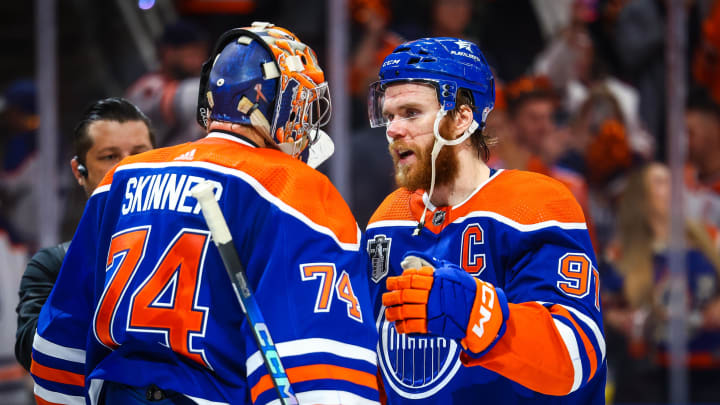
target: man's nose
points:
(395, 129)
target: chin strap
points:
(437, 145)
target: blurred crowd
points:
(580, 96)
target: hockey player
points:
(484, 281)
(143, 310)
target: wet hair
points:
(108, 109)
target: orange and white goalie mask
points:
(265, 77)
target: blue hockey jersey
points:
(143, 298)
(522, 232)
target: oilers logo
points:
(415, 366)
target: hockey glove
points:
(440, 298)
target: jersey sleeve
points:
(312, 288)
(553, 343)
(59, 346)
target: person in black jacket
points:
(110, 130)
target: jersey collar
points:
(431, 207)
(229, 136)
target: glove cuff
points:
(487, 320)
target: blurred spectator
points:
(513, 32)
(639, 41)
(18, 127)
(14, 381)
(19, 161)
(371, 19)
(169, 95)
(706, 59)
(502, 143)
(600, 151)
(635, 296)
(575, 69)
(532, 107)
(451, 18)
(702, 117)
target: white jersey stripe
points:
(201, 401)
(49, 348)
(593, 327)
(101, 189)
(489, 214)
(56, 397)
(588, 322)
(391, 224)
(522, 227)
(259, 188)
(327, 397)
(568, 336)
(313, 345)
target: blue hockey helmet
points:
(263, 76)
(448, 64)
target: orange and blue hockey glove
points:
(440, 298)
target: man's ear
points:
(463, 120)
(74, 164)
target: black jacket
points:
(35, 286)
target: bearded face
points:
(411, 110)
(417, 175)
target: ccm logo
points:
(391, 62)
(487, 300)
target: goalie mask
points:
(265, 77)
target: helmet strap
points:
(438, 144)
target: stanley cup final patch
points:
(379, 251)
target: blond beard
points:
(418, 175)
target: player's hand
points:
(440, 298)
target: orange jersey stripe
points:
(55, 375)
(317, 372)
(290, 180)
(589, 348)
(537, 360)
(536, 198)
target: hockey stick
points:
(204, 193)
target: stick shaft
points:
(204, 193)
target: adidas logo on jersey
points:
(190, 155)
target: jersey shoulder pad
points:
(395, 207)
(535, 198)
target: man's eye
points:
(389, 117)
(108, 157)
(411, 114)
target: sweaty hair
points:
(478, 139)
(108, 109)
